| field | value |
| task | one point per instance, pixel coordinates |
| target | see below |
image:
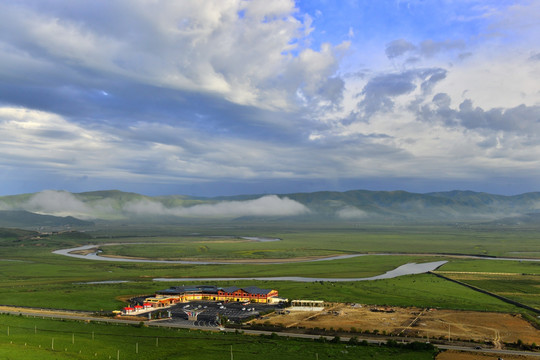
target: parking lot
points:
(209, 313)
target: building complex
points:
(179, 294)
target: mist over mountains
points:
(22, 219)
(78, 209)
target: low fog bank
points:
(61, 203)
(352, 206)
(352, 213)
(269, 205)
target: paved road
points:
(188, 325)
(489, 351)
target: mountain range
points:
(61, 208)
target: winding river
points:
(94, 255)
(91, 252)
(80, 252)
(406, 269)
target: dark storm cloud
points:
(442, 100)
(398, 47)
(333, 90)
(432, 76)
(380, 91)
(427, 48)
(465, 55)
(522, 119)
(535, 57)
(430, 48)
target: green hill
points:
(436, 206)
(332, 206)
(16, 234)
(28, 220)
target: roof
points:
(209, 289)
(230, 289)
(257, 290)
(212, 289)
(249, 289)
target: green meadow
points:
(493, 266)
(309, 240)
(516, 280)
(58, 281)
(35, 338)
(33, 276)
(211, 248)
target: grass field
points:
(35, 338)
(303, 238)
(33, 276)
(215, 249)
(32, 284)
(516, 280)
(493, 266)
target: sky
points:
(226, 97)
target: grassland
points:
(303, 238)
(33, 276)
(417, 290)
(214, 248)
(516, 280)
(493, 266)
(32, 338)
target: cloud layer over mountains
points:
(61, 203)
(325, 206)
(269, 205)
(251, 96)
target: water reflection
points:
(407, 269)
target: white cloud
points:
(59, 203)
(270, 205)
(48, 141)
(240, 50)
(62, 203)
(485, 78)
(124, 83)
(351, 212)
(46, 138)
(53, 145)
